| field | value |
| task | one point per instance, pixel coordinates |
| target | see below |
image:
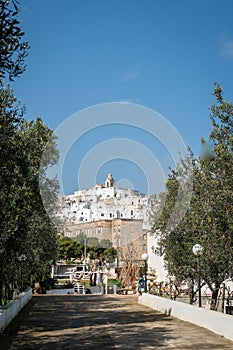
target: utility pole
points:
(85, 251)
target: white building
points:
(106, 202)
(102, 204)
(155, 260)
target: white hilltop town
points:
(120, 215)
(106, 202)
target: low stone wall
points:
(12, 309)
(215, 321)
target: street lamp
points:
(21, 259)
(145, 257)
(198, 251)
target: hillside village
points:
(109, 212)
(106, 202)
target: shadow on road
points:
(64, 322)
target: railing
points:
(224, 302)
(79, 288)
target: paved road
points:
(71, 322)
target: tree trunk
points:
(214, 297)
(191, 292)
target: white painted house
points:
(106, 202)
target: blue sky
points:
(161, 54)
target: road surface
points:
(70, 322)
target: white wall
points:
(11, 310)
(215, 321)
(155, 261)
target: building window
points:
(131, 212)
(102, 214)
(144, 246)
(144, 237)
(110, 215)
(99, 229)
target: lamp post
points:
(85, 252)
(198, 251)
(21, 259)
(145, 257)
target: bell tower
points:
(109, 182)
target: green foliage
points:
(68, 249)
(101, 249)
(109, 255)
(114, 282)
(25, 227)
(209, 218)
(24, 224)
(13, 50)
(80, 238)
(97, 249)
